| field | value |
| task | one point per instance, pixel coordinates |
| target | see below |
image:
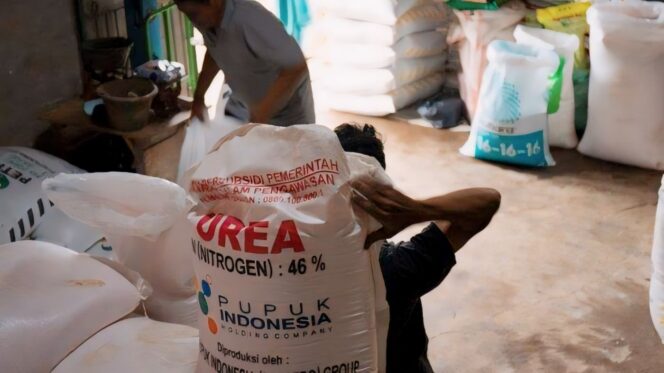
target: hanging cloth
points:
(294, 14)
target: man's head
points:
(361, 139)
(204, 14)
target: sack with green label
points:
(521, 86)
(284, 282)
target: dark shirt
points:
(410, 270)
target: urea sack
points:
(144, 219)
(562, 132)
(625, 111)
(657, 278)
(384, 104)
(52, 300)
(351, 80)
(284, 282)
(22, 203)
(136, 345)
(511, 123)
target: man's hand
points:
(460, 215)
(199, 110)
(393, 209)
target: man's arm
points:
(279, 93)
(205, 78)
(460, 215)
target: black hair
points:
(361, 139)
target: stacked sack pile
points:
(374, 57)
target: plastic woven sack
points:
(144, 219)
(390, 103)
(53, 299)
(385, 12)
(471, 37)
(657, 278)
(350, 80)
(136, 345)
(22, 202)
(625, 111)
(284, 282)
(562, 132)
(511, 122)
(422, 44)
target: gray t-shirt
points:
(251, 47)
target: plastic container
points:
(105, 54)
(128, 102)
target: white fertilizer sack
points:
(22, 202)
(562, 132)
(511, 121)
(284, 282)
(144, 219)
(625, 110)
(136, 345)
(657, 278)
(53, 299)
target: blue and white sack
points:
(519, 89)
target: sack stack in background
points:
(625, 111)
(375, 57)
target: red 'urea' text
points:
(228, 230)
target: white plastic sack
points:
(200, 137)
(350, 80)
(343, 30)
(380, 105)
(285, 284)
(657, 278)
(22, 203)
(52, 300)
(58, 228)
(144, 219)
(476, 29)
(511, 122)
(423, 44)
(385, 12)
(562, 132)
(625, 110)
(362, 166)
(136, 345)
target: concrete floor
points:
(557, 283)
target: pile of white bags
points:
(136, 345)
(657, 278)
(284, 282)
(144, 219)
(53, 299)
(471, 37)
(375, 57)
(625, 110)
